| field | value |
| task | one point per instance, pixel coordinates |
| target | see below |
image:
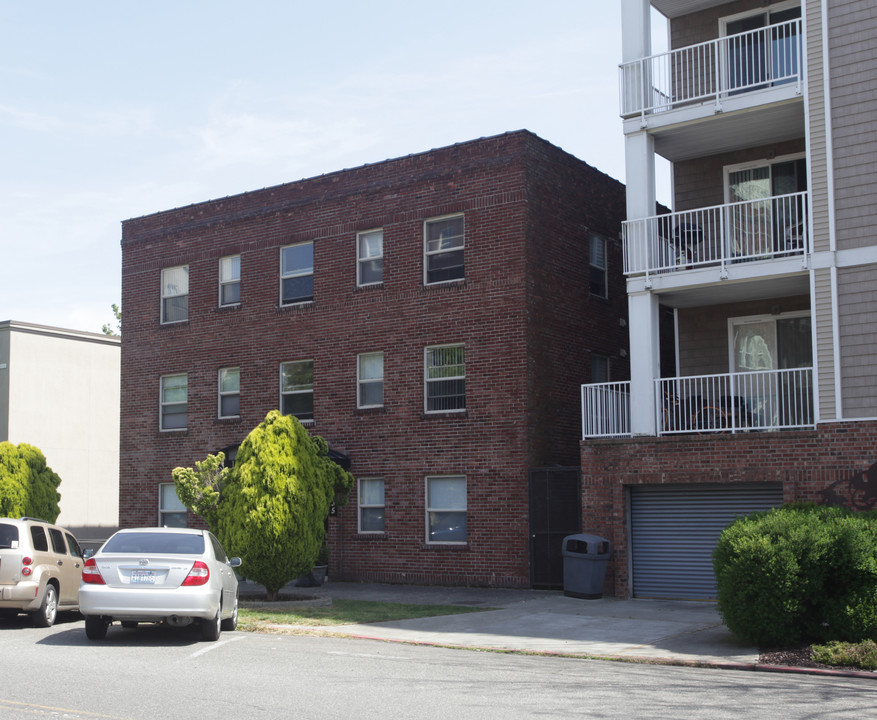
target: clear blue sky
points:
(112, 110)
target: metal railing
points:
(721, 403)
(606, 410)
(712, 70)
(735, 402)
(735, 232)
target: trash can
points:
(585, 558)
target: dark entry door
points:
(555, 512)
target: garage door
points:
(674, 530)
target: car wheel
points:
(129, 624)
(210, 628)
(45, 616)
(231, 623)
(95, 627)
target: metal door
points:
(555, 512)
(674, 530)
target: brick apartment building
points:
(432, 317)
(764, 274)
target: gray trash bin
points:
(585, 558)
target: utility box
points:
(585, 558)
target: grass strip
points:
(346, 612)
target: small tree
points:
(28, 487)
(271, 508)
(107, 329)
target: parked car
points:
(177, 576)
(40, 569)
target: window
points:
(171, 512)
(598, 267)
(444, 250)
(229, 392)
(73, 546)
(446, 509)
(762, 47)
(175, 294)
(371, 505)
(174, 401)
(297, 273)
(230, 280)
(445, 378)
(58, 544)
(370, 380)
(39, 539)
(370, 257)
(599, 369)
(297, 389)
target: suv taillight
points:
(27, 562)
(198, 575)
(90, 573)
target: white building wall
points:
(63, 397)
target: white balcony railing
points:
(751, 230)
(606, 410)
(729, 402)
(712, 70)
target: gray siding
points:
(822, 326)
(857, 300)
(852, 31)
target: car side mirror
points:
(89, 552)
(234, 562)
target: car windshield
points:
(8, 536)
(155, 544)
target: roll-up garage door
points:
(674, 530)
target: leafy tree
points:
(28, 487)
(200, 489)
(271, 507)
(107, 328)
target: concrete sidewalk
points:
(547, 622)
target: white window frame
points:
(305, 391)
(167, 295)
(441, 509)
(223, 373)
(163, 404)
(371, 506)
(224, 282)
(298, 273)
(362, 382)
(427, 381)
(177, 510)
(428, 254)
(362, 256)
(592, 267)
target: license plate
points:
(142, 576)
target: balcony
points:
(748, 84)
(763, 400)
(762, 229)
(713, 70)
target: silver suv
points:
(40, 569)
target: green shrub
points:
(861, 655)
(28, 487)
(799, 573)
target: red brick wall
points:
(488, 313)
(820, 466)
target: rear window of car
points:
(8, 536)
(38, 536)
(155, 543)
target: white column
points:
(639, 148)
(644, 361)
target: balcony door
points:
(770, 351)
(766, 214)
(763, 48)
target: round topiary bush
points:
(799, 573)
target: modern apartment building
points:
(432, 317)
(59, 391)
(752, 306)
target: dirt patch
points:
(797, 657)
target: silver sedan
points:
(178, 576)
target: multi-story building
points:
(432, 317)
(59, 391)
(752, 306)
